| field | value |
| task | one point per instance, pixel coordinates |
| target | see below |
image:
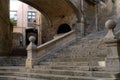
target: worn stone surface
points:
(12, 61)
(89, 51)
(89, 48)
(78, 61)
(113, 42)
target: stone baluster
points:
(112, 42)
(31, 51)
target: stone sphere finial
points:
(32, 39)
(110, 24)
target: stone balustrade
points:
(31, 50)
(35, 54)
(112, 42)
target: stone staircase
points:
(82, 60)
(50, 73)
(12, 61)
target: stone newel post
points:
(113, 58)
(31, 51)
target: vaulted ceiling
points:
(53, 9)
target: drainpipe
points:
(96, 15)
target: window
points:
(13, 17)
(31, 16)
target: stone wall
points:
(117, 5)
(117, 2)
(105, 12)
(5, 29)
(49, 31)
(89, 11)
(76, 3)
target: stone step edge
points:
(65, 62)
(12, 67)
(31, 71)
(67, 66)
(82, 68)
(20, 78)
(60, 76)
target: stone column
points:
(82, 27)
(82, 18)
(5, 34)
(113, 58)
(31, 51)
(96, 17)
(79, 29)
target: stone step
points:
(65, 63)
(53, 76)
(99, 74)
(12, 68)
(57, 67)
(83, 68)
(12, 61)
(62, 72)
(78, 55)
(72, 67)
(45, 67)
(72, 63)
(3, 77)
(72, 59)
(93, 73)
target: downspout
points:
(96, 16)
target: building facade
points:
(26, 21)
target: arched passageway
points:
(64, 28)
(54, 10)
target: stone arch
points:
(39, 9)
(55, 15)
(48, 9)
(63, 28)
(76, 10)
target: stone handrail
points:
(56, 44)
(35, 54)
